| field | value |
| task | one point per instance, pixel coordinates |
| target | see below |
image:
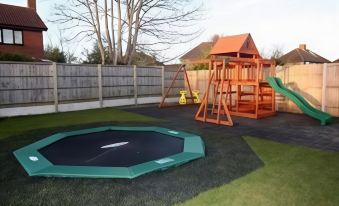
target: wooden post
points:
(55, 86)
(210, 68)
(238, 87)
(259, 77)
(323, 89)
(188, 84)
(163, 81)
(222, 72)
(135, 85)
(100, 85)
(257, 73)
(162, 102)
(273, 91)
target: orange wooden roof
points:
(242, 43)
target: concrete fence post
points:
(100, 85)
(163, 81)
(55, 86)
(323, 89)
(135, 85)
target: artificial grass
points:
(18, 125)
(292, 175)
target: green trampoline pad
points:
(110, 152)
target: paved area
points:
(288, 128)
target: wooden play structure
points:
(184, 95)
(236, 84)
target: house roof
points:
(199, 52)
(20, 18)
(242, 43)
(302, 55)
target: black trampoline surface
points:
(112, 148)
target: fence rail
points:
(50, 84)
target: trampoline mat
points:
(112, 148)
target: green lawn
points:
(18, 125)
(292, 175)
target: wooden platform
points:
(235, 92)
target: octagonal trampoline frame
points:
(36, 164)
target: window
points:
(18, 37)
(9, 36)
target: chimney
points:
(302, 46)
(31, 4)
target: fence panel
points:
(307, 80)
(25, 83)
(149, 81)
(117, 81)
(178, 85)
(332, 89)
(77, 82)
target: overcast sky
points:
(272, 23)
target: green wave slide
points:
(300, 101)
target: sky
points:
(280, 24)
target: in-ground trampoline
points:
(109, 152)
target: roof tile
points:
(20, 17)
(235, 44)
(299, 55)
(199, 52)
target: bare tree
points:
(275, 53)
(215, 38)
(68, 54)
(125, 26)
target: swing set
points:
(193, 94)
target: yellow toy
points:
(196, 96)
(186, 99)
(182, 99)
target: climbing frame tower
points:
(237, 83)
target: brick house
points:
(197, 53)
(21, 30)
(302, 55)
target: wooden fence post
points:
(100, 85)
(323, 89)
(135, 85)
(55, 86)
(163, 81)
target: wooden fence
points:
(67, 87)
(27, 85)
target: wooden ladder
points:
(221, 92)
